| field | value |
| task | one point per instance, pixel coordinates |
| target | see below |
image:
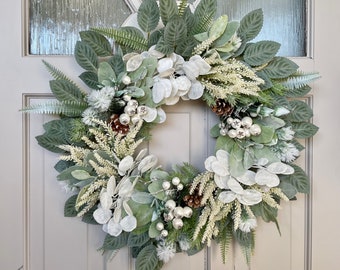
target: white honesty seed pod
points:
(166, 185)
(159, 226)
(164, 233)
(187, 212)
(177, 223)
(124, 119)
(247, 122)
(170, 204)
(178, 212)
(175, 181)
(255, 130)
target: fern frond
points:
(68, 108)
(225, 241)
(182, 6)
(129, 37)
(300, 79)
(204, 15)
(57, 74)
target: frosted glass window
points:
(55, 24)
(284, 21)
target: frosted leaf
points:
(161, 88)
(219, 168)
(134, 63)
(235, 186)
(147, 163)
(105, 200)
(125, 164)
(155, 53)
(183, 83)
(223, 157)
(141, 154)
(128, 223)
(113, 228)
(248, 178)
(161, 115)
(266, 178)
(171, 100)
(167, 73)
(208, 163)
(111, 186)
(280, 168)
(126, 188)
(262, 161)
(101, 215)
(250, 197)
(221, 181)
(164, 64)
(227, 196)
(127, 208)
(196, 90)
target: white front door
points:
(34, 235)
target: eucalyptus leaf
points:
(142, 212)
(142, 197)
(156, 189)
(266, 136)
(106, 73)
(153, 232)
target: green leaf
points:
(304, 130)
(164, 48)
(298, 92)
(68, 173)
(175, 32)
(66, 91)
(261, 52)
(288, 189)
(137, 240)
(218, 27)
(69, 208)
(235, 161)
(98, 42)
(153, 232)
(90, 78)
(142, 212)
(167, 9)
(106, 73)
(225, 143)
(280, 67)
(142, 197)
(267, 212)
(266, 153)
(148, 15)
(215, 131)
(86, 56)
(267, 82)
(117, 64)
(298, 179)
(147, 258)
(250, 25)
(227, 34)
(154, 37)
(81, 175)
(62, 165)
(50, 143)
(204, 15)
(249, 158)
(156, 189)
(300, 111)
(88, 217)
(114, 243)
(266, 136)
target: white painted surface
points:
(34, 234)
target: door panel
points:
(35, 235)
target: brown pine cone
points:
(222, 108)
(193, 200)
(117, 126)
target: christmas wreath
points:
(177, 53)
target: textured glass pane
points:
(55, 24)
(284, 21)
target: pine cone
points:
(193, 200)
(222, 108)
(117, 126)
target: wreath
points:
(177, 53)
